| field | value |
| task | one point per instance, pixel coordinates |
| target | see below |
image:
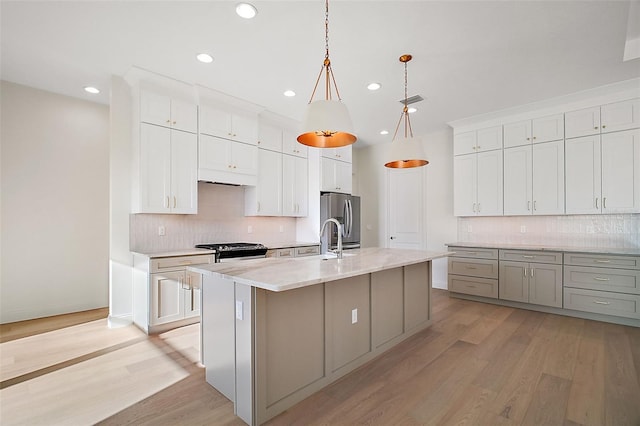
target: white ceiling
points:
(470, 57)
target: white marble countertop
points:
(173, 253)
(277, 274)
(590, 250)
(288, 244)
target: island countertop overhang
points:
(287, 274)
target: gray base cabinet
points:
(473, 271)
(536, 283)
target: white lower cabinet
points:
(166, 295)
(477, 180)
(603, 173)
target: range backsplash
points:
(597, 231)
(220, 218)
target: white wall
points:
(440, 224)
(54, 204)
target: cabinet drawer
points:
(532, 256)
(286, 252)
(477, 253)
(608, 261)
(473, 267)
(602, 302)
(307, 251)
(179, 262)
(607, 279)
(474, 286)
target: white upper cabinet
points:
(221, 122)
(165, 111)
(607, 118)
(265, 199)
(620, 116)
(343, 153)
(478, 184)
(518, 184)
(290, 145)
(540, 130)
(335, 176)
(603, 173)
(548, 178)
(295, 181)
(226, 161)
(269, 137)
(486, 139)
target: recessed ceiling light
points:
(204, 57)
(289, 93)
(384, 132)
(92, 90)
(412, 110)
(374, 86)
(246, 10)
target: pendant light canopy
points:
(407, 151)
(327, 123)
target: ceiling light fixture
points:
(289, 93)
(246, 10)
(92, 90)
(384, 132)
(412, 110)
(204, 58)
(327, 123)
(405, 152)
(374, 86)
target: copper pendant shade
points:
(327, 123)
(405, 152)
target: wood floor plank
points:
(549, 403)
(563, 351)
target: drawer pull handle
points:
(602, 261)
(601, 303)
(471, 267)
(600, 279)
(471, 286)
(471, 252)
(525, 272)
(528, 257)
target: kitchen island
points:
(274, 331)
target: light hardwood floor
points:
(478, 364)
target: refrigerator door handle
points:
(345, 218)
(350, 218)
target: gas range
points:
(236, 251)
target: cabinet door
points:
(327, 174)
(192, 294)
(290, 145)
(464, 185)
(155, 169)
(548, 178)
(582, 174)
(545, 284)
(244, 158)
(344, 153)
(583, 122)
(620, 115)
(184, 172)
(621, 172)
(215, 122)
(517, 181)
(155, 109)
(490, 183)
(301, 187)
(464, 143)
(269, 186)
(214, 153)
(548, 129)
(489, 139)
(517, 134)
(294, 186)
(343, 177)
(513, 282)
(167, 297)
(270, 137)
(244, 128)
(184, 116)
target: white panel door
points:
(583, 122)
(465, 185)
(244, 158)
(184, 115)
(517, 181)
(490, 201)
(620, 115)
(294, 186)
(270, 137)
(215, 122)
(327, 174)
(548, 129)
(344, 177)
(167, 297)
(621, 172)
(548, 178)
(464, 143)
(184, 172)
(517, 134)
(155, 109)
(290, 145)
(244, 128)
(214, 153)
(489, 139)
(155, 168)
(406, 192)
(269, 183)
(582, 175)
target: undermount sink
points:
(325, 256)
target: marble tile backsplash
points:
(220, 218)
(599, 231)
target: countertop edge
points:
(586, 250)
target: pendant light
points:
(327, 123)
(407, 151)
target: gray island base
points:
(276, 331)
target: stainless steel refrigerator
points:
(346, 209)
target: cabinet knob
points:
(258, 142)
(229, 166)
(534, 138)
(596, 128)
(393, 238)
(169, 121)
(528, 139)
(174, 122)
(478, 147)
(234, 167)
(603, 126)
